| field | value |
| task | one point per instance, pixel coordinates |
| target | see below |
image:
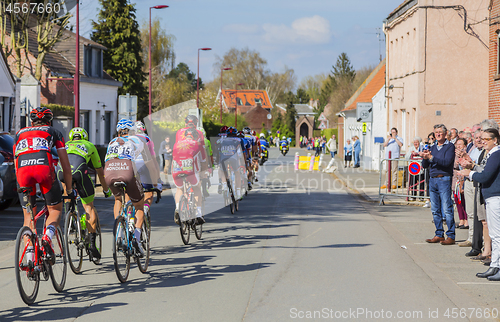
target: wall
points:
(494, 72)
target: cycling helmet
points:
(246, 130)
(191, 120)
(140, 127)
(241, 134)
(262, 135)
(254, 133)
(284, 137)
(191, 132)
(78, 133)
(41, 114)
(125, 124)
(232, 131)
(223, 129)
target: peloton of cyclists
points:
(80, 153)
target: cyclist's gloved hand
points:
(71, 194)
(159, 186)
(107, 193)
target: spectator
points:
(475, 211)
(323, 144)
(453, 135)
(415, 149)
(431, 139)
(317, 146)
(458, 184)
(357, 151)
(166, 153)
(332, 146)
(393, 146)
(439, 159)
(469, 138)
(347, 154)
(489, 179)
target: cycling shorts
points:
(122, 170)
(33, 168)
(81, 178)
(192, 177)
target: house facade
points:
(436, 70)
(10, 88)
(98, 90)
(494, 62)
(372, 91)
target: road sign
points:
(364, 128)
(127, 107)
(414, 168)
(322, 125)
(322, 117)
(364, 112)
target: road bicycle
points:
(187, 212)
(31, 263)
(228, 189)
(123, 233)
(77, 237)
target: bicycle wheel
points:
(28, 280)
(58, 270)
(143, 263)
(72, 241)
(198, 230)
(98, 241)
(121, 258)
(184, 216)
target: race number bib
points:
(22, 146)
(40, 144)
(187, 165)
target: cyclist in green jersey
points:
(80, 153)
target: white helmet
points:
(284, 137)
(262, 135)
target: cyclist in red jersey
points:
(34, 164)
(189, 158)
(191, 122)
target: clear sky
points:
(306, 35)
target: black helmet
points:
(41, 114)
(191, 120)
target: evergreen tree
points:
(117, 29)
(302, 97)
(183, 69)
(290, 116)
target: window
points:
(92, 59)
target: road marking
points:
(310, 234)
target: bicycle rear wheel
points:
(184, 217)
(121, 258)
(58, 269)
(98, 241)
(72, 242)
(143, 263)
(28, 280)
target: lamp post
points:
(221, 70)
(236, 105)
(198, 79)
(76, 79)
(149, 54)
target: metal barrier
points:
(412, 182)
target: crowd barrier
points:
(412, 180)
(308, 162)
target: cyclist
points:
(208, 149)
(230, 151)
(248, 157)
(148, 180)
(189, 158)
(120, 166)
(191, 121)
(80, 153)
(256, 155)
(264, 146)
(34, 164)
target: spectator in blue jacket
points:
(357, 150)
(440, 159)
(347, 154)
(489, 179)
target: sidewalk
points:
(454, 273)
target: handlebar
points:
(158, 193)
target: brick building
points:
(253, 104)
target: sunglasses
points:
(486, 139)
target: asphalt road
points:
(300, 247)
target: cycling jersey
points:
(120, 157)
(187, 156)
(264, 143)
(142, 169)
(34, 162)
(86, 150)
(283, 142)
(179, 136)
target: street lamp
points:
(198, 79)
(222, 69)
(149, 53)
(76, 80)
(236, 106)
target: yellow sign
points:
(364, 127)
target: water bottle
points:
(131, 224)
(83, 221)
